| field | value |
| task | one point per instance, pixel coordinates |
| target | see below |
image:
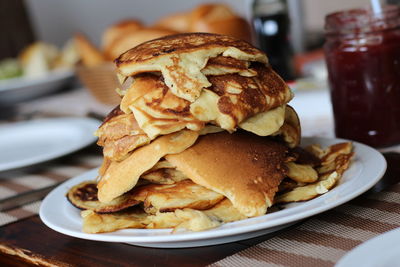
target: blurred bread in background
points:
(177, 22)
(89, 53)
(96, 61)
(114, 33)
(128, 33)
(219, 18)
(212, 18)
(38, 58)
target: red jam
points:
(363, 58)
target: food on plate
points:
(39, 59)
(127, 41)
(10, 68)
(203, 136)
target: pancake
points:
(220, 65)
(120, 177)
(84, 196)
(290, 131)
(187, 219)
(164, 176)
(119, 134)
(180, 58)
(228, 103)
(180, 195)
(224, 212)
(214, 160)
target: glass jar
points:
(362, 52)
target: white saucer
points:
(30, 142)
(380, 251)
(368, 167)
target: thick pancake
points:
(230, 101)
(119, 134)
(188, 219)
(93, 222)
(116, 125)
(237, 166)
(242, 97)
(290, 132)
(164, 176)
(121, 177)
(183, 194)
(225, 212)
(225, 65)
(180, 58)
(118, 150)
(84, 196)
(156, 109)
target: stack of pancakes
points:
(203, 135)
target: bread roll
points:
(89, 53)
(219, 18)
(117, 31)
(178, 22)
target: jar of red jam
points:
(362, 52)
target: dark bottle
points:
(272, 27)
(363, 57)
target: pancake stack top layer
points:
(189, 80)
(190, 93)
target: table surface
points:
(30, 241)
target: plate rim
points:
(252, 225)
(22, 82)
(86, 122)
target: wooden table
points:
(29, 241)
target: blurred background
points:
(85, 36)
(57, 21)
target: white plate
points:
(380, 251)
(30, 142)
(369, 166)
(22, 88)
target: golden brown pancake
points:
(238, 98)
(225, 65)
(189, 219)
(164, 176)
(225, 212)
(231, 100)
(120, 177)
(290, 132)
(180, 195)
(156, 109)
(84, 196)
(237, 166)
(119, 134)
(180, 58)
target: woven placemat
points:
(323, 239)
(45, 174)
